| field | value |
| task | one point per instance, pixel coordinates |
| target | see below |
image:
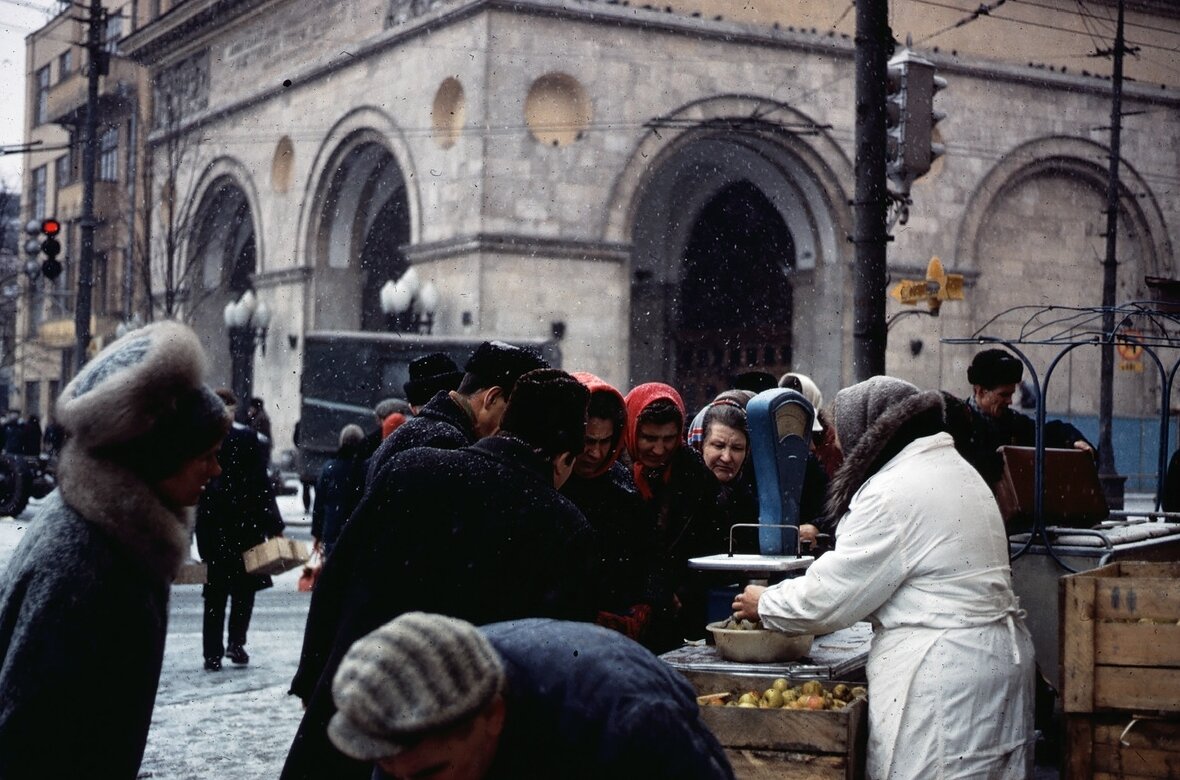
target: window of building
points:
(65, 64)
(39, 196)
(63, 173)
(33, 398)
(108, 155)
(114, 31)
(41, 79)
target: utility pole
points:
(874, 44)
(1112, 483)
(96, 66)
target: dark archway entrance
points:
(735, 300)
(382, 259)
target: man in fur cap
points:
(994, 375)
(479, 533)
(921, 552)
(84, 600)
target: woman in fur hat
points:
(84, 600)
(921, 553)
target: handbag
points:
(311, 572)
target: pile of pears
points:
(811, 695)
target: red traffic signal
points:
(50, 227)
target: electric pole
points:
(874, 44)
(1111, 482)
(96, 66)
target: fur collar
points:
(127, 509)
(885, 437)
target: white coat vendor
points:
(921, 553)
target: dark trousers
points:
(241, 601)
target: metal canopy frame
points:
(1156, 327)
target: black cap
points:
(497, 364)
(548, 410)
(428, 375)
(994, 367)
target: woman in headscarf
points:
(921, 553)
(84, 599)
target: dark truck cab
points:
(345, 374)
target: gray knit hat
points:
(416, 674)
(856, 407)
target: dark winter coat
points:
(83, 615)
(477, 533)
(625, 537)
(237, 511)
(585, 702)
(1010, 428)
(441, 424)
(337, 493)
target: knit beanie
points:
(141, 402)
(415, 675)
(856, 407)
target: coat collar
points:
(125, 508)
(513, 450)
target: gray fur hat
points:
(856, 407)
(142, 401)
(415, 675)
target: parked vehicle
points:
(23, 477)
(345, 374)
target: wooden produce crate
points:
(779, 744)
(1122, 746)
(1120, 639)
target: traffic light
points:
(51, 267)
(910, 117)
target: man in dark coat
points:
(339, 488)
(457, 418)
(603, 489)
(429, 695)
(237, 511)
(994, 374)
(479, 533)
(84, 598)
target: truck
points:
(345, 374)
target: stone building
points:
(666, 186)
(56, 100)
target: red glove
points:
(630, 625)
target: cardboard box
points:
(275, 556)
(192, 573)
(1120, 639)
(788, 744)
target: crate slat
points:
(1077, 644)
(1137, 688)
(778, 765)
(1137, 644)
(824, 731)
(1137, 598)
(1136, 762)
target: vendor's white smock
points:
(922, 554)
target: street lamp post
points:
(409, 305)
(246, 321)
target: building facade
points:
(666, 187)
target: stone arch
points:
(692, 166)
(362, 211)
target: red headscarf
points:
(637, 400)
(596, 385)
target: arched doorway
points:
(364, 223)
(735, 295)
(734, 263)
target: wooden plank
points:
(1136, 644)
(780, 765)
(1149, 733)
(1170, 569)
(1137, 598)
(1137, 762)
(821, 731)
(1079, 748)
(1077, 643)
(1136, 688)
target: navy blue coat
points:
(441, 424)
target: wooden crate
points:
(786, 744)
(1120, 639)
(1121, 746)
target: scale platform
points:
(776, 564)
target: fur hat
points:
(428, 375)
(141, 401)
(548, 411)
(415, 675)
(994, 367)
(497, 364)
